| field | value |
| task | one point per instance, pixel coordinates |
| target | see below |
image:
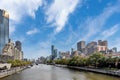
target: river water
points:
(49, 72)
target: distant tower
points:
(55, 53)
(52, 51)
(114, 50)
(81, 46)
(18, 45)
(72, 50)
(4, 29)
(102, 46)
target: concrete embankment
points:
(4, 73)
(101, 71)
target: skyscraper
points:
(102, 46)
(81, 46)
(4, 29)
(55, 53)
(91, 47)
(52, 51)
(18, 45)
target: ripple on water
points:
(48, 72)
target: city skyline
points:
(62, 23)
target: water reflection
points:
(47, 72)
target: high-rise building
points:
(114, 50)
(52, 51)
(18, 45)
(4, 29)
(81, 46)
(102, 46)
(102, 43)
(75, 53)
(55, 53)
(72, 50)
(64, 55)
(91, 47)
(11, 51)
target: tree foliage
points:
(18, 63)
(96, 60)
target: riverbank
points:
(101, 71)
(4, 73)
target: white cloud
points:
(59, 11)
(94, 25)
(19, 8)
(111, 31)
(32, 31)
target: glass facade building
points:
(52, 51)
(18, 45)
(4, 29)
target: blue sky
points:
(40, 23)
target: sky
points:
(38, 24)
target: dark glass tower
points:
(18, 45)
(52, 51)
(4, 29)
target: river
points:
(49, 72)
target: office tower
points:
(72, 51)
(18, 45)
(102, 46)
(64, 55)
(102, 43)
(52, 51)
(4, 29)
(114, 50)
(81, 46)
(91, 47)
(55, 53)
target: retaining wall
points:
(101, 71)
(4, 73)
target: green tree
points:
(95, 58)
(18, 63)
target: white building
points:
(10, 50)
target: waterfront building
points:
(102, 46)
(11, 50)
(114, 50)
(102, 43)
(18, 45)
(54, 52)
(41, 60)
(75, 53)
(4, 29)
(113, 55)
(5, 58)
(72, 50)
(91, 48)
(81, 46)
(64, 55)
